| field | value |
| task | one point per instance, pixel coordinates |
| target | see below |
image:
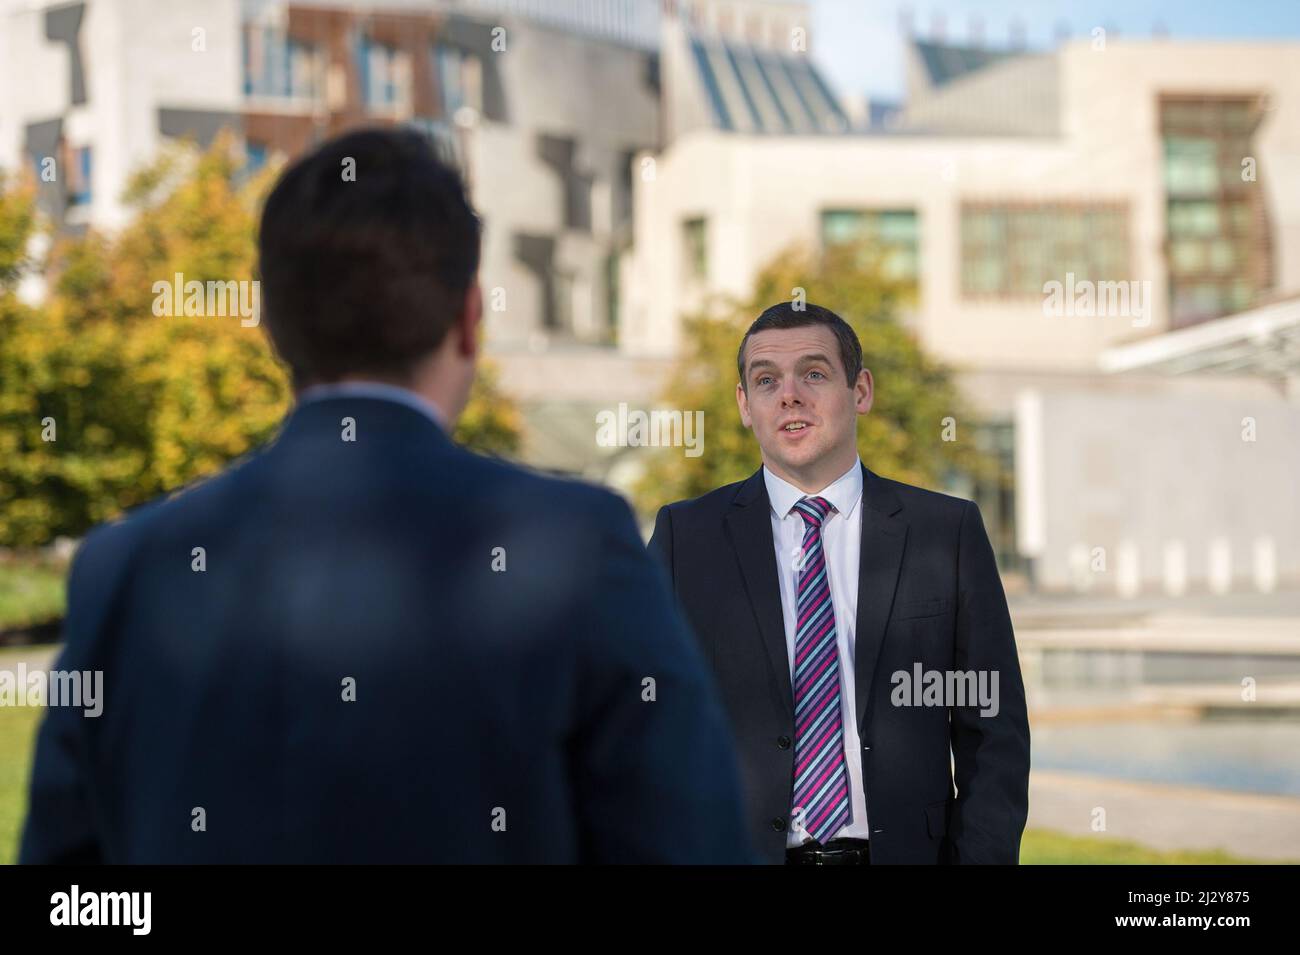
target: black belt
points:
(835, 852)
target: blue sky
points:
(858, 44)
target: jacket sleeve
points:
(60, 826)
(990, 752)
(657, 777)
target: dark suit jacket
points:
(481, 695)
(928, 591)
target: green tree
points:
(902, 437)
(490, 423)
(141, 403)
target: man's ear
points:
(471, 318)
(742, 402)
(864, 391)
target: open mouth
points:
(795, 427)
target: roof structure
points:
(756, 90)
(944, 62)
(1262, 341)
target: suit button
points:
(783, 742)
(778, 824)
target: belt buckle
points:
(841, 855)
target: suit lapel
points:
(749, 525)
(879, 560)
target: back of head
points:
(367, 248)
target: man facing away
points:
(857, 627)
(392, 650)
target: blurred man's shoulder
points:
(126, 529)
(574, 490)
(559, 492)
(490, 482)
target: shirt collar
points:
(375, 389)
(843, 493)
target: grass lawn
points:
(18, 726)
(31, 591)
(1044, 847)
(17, 736)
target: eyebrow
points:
(760, 363)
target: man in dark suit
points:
(857, 627)
(365, 644)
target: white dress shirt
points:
(841, 543)
(375, 389)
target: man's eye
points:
(817, 373)
(765, 379)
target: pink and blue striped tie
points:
(821, 781)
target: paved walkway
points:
(37, 657)
(1164, 816)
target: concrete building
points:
(88, 92)
(1180, 474)
(1135, 173)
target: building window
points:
(380, 68)
(1012, 250)
(460, 79)
(451, 78)
(255, 156)
(889, 234)
(301, 71)
(695, 245)
(277, 66)
(625, 190)
(565, 300)
(613, 265)
(251, 47)
(560, 153)
(994, 491)
(79, 176)
(1218, 244)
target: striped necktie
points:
(821, 782)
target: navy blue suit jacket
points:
(929, 596)
(499, 715)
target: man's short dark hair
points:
(367, 248)
(787, 315)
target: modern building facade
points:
(89, 91)
(1173, 164)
